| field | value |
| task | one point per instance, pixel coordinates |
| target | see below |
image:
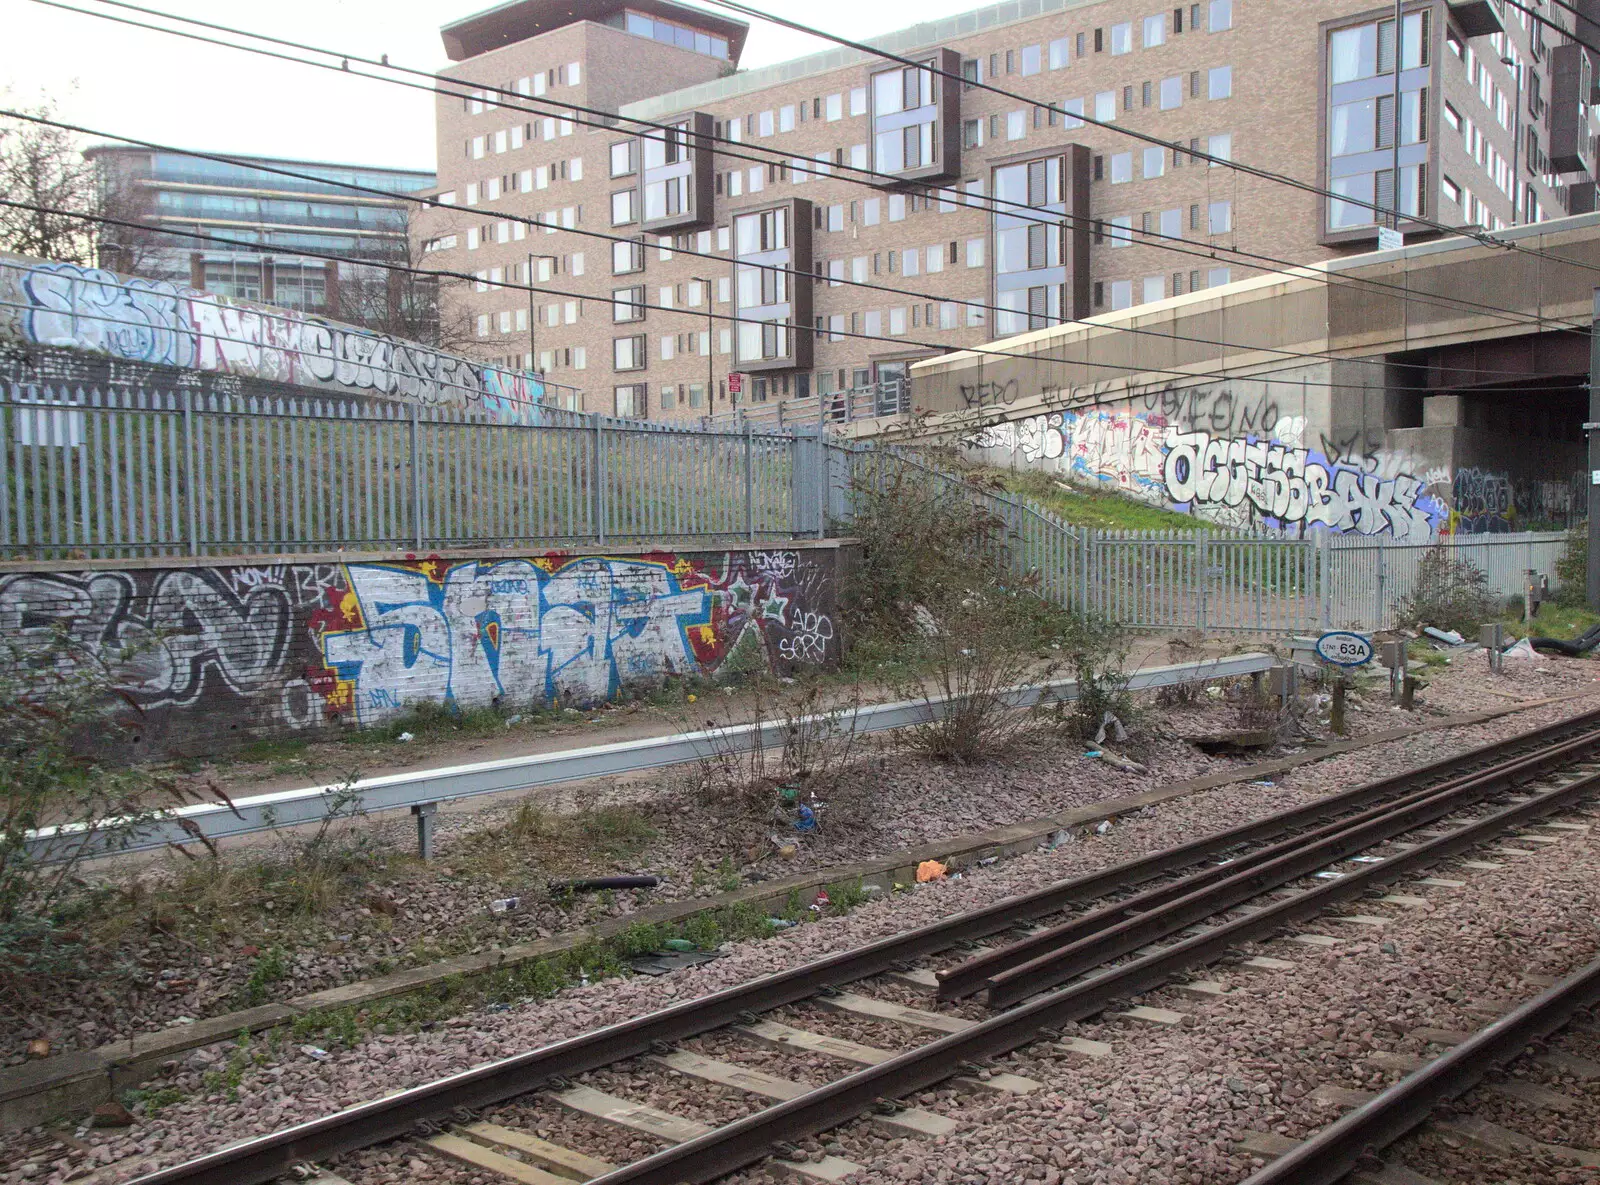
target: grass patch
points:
(1084, 506)
(1554, 621)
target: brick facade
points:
(1252, 88)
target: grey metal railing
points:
(1208, 579)
(886, 398)
(107, 473)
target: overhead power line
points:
(922, 297)
(1484, 237)
(514, 101)
(898, 340)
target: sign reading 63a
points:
(1343, 648)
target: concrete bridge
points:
(1437, 388)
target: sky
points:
(175, 91)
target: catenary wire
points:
(1147, 238)
(1484, 237)
(389, 265)
(433, 203)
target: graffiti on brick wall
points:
(573, 630)
(1486, 501)
(153, 321)
(1264, 480)
(299, 645)
(168, 639)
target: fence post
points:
(749, 481)
(1383, 579)
(1325, 551)
(416, 479)
(597, 475)
(191, 469)
(1086, 553)
(1201, 539)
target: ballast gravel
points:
(1169, 1103)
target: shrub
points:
(55, 697)
(1572, 568)
(1449, 594)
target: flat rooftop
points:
(518, 20)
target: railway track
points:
(1109, 935)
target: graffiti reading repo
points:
(1269, 479)
(153, 321)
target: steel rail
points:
(754, 1137)
(259, 1160)
(1337, 1149)
(973, 975)
(1216, 890)
(310, 804)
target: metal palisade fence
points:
(1211, 579)
(93, 473)
(104, 473)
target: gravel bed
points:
(1169, 1104)
(290, 1085)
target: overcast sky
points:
(175, 91)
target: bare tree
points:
(43, 167)
(399, 301)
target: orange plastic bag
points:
(929, 870)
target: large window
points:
(1362, 124)
(910, 111)
(627, 258)
(669, 33)
(631, 400)
(627, 304)
(767, 297)
(629, 353)
(623, 209)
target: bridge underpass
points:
(1440, 388)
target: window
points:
(1220, 147)
(1221, 16)
(627, 257)
(972, 133)
(1452, 117)
(1155, 31)
(765, 124)
(627, 304)
(669, 348)
(1122, 38)
(1219, 82)
(1073, 109)
(1171, 93)
(1032, 59)
(834, 107)
(1451, 190)
(622, 208)
(1016, 125)
(628, 353)
(1122, 231)
(786, 118)
(974, 252)
(1155, 160)
(1172, 225)
(1105, 106)
(869, 212)
(1219, 218)
(1218, 276)
(1155, 288)
(1121, 167)
(630, 400)
(1058, 53)
(858, 100)
(897, 207)
(1121, 294)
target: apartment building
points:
(271, 215)
(989, 215)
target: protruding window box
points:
(676, 177)
(772, 286)
(1571, 145)
(1478, 18)
(916, 119)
